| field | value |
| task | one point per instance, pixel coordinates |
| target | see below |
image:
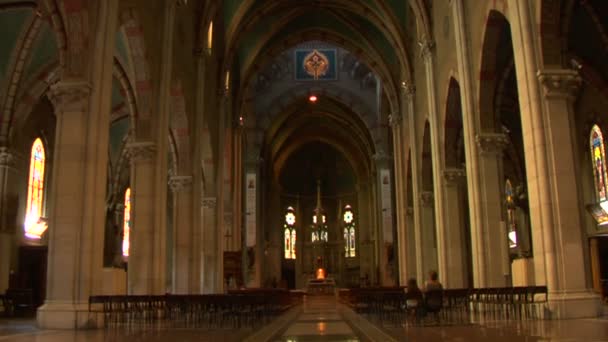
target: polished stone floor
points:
(323, 319)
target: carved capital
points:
(453, 176)
(409, 89)
(426, 49)
(559, 83)
(394, 120)
(491, 143)
(426, 199)
(208, 202)
(180, 183)
(70, 96)
(382, 157)
(141, 151)
(7, 158)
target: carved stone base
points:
(65, 315)
(568, 305)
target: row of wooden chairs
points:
(235, 310)
(457, 305)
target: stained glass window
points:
(34, 225)
(349, 232)
(210, 37)
(599, 162)
(290, 234)
(511, 222)
(126, 223)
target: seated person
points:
(432, 283)
(413, 296)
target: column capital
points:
(141, 151)
(408, 88)
(453, 176)
(70, 95)
(209, 202)
(180, 183)
(426, 198)
(426, 48)
(394, 120)
(491, 143)
(381, 157)
(559, 83)
(7, 157)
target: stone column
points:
(488, 243)
(411, 245)
(183, 253)
(77, 200)
(143, 254)
(408, 94)
(455, 276)
(428, 239)
(210, 271)
(427, 47)
(253, 250)
(8, 212)
(570, 295)
(387, 253)
(469, 113)
(400, 196)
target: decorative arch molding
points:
(57, 23)
(271, 52)
(142, 81)
(382, 19)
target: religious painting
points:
(316, 65)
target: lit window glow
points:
(289, 234)
(511, 223)
(350, 249)
(34, 224)
(210, 37)
(126, 223)
(598, 157)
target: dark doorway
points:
(32, 271)
(288, 274)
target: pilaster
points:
(429, 238)
(456, 271)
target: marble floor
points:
(323, 319)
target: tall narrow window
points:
(348, 217)
(210, 38)
(599, 162)
(290, 234)
(126, 224)
(34, 225)
(511, 222)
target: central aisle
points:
(320, 320)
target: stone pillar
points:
(427, 47)
(488, 243)
(400, 197)
(411, 245)
(77, 199)
(455, 276)
(408, 95)
(183, 253)
(210, 271)
(254, 245)
(428, 239)
(8, 211)
(385, 242)
(570, 295)
(144, 253)
(469, 114)
(596, 272)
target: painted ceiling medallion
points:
(316, 64)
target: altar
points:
(321, 284)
